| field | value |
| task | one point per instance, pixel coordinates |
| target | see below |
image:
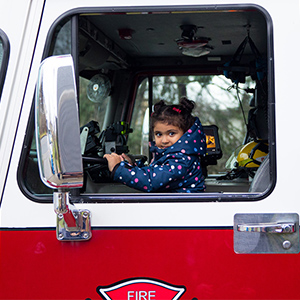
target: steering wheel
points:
(95, 160)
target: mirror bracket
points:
(72, 224)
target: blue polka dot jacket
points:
(174, 169)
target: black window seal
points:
(172, 197)
(5, 59)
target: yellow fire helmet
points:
(252, 154)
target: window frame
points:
(166, 197)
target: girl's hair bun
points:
(187, 104)
(159, 105)
(178, 115)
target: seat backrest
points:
(262, 179)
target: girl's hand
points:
(127, 158)
(113, 159)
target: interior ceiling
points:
(155, 34)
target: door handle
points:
(266, 233)
(285, 227)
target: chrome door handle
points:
(288, 227)
(265, 233)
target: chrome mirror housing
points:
(58, 144)
(57, 124)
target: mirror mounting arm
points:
(72, 224)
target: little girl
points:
(179, 142)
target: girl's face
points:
(166, 135)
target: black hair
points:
(178, 115)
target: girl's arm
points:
(153, 177)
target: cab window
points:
(127, 61)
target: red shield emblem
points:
(141, 289)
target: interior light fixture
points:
(191, 45)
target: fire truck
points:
(78, 80)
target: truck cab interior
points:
(127, 60)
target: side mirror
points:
(57, 124)
(58, 143)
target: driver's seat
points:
(262, 179)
